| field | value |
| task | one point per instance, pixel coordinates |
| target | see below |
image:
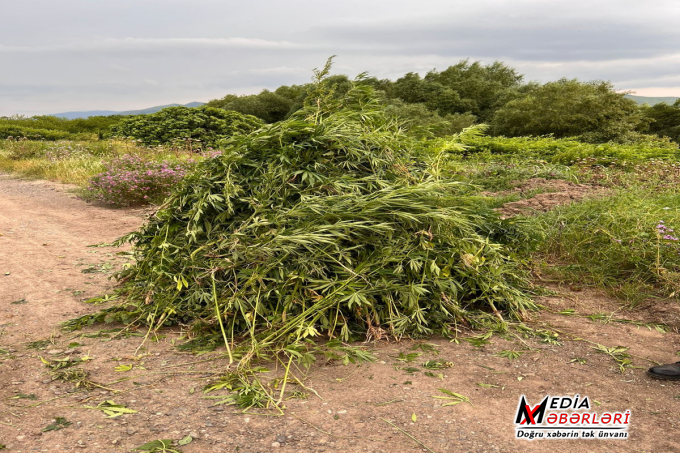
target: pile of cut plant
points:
(330, 224)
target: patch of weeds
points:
(510, 355)
(19, 302)
(452, 398)
(159, 446)
(623, 243)
(59, 423)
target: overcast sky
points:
(65, 55)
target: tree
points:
(420, 121)
(269, 107)
(481, 88)
(592, 110)
(665, 120)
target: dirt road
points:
(47, 268)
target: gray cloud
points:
(126, 54)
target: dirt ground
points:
(554, 192)
(47, 269)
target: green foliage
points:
(421, 122)
(205, 125)
(52, 128)
(284, 101)
(614, 243)
(567, 151)
(17, 132)
(482, 88)
(330, 221)
(269, 106)
(568, 108)
(665, 120)
(463, 88)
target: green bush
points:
(53, 128)
(206, 126)
(568, 151)
(19, 132)
(567, 108)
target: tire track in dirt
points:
(43, 251)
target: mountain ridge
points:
(652, 100)
(89, 113)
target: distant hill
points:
(74, 115)
(652, 100)
(87, 114)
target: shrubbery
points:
(204, 126)
(569, 108)
(53, 128)
(22, 132)
(130, 180)
(568, 151)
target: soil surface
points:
(47, 269)
(553, 193)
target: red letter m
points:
(526, 414)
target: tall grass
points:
(76, 162)
(616, 243)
